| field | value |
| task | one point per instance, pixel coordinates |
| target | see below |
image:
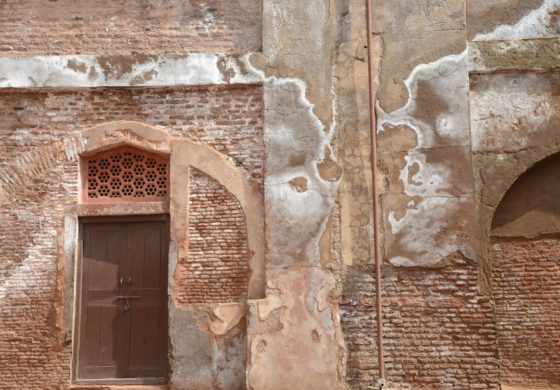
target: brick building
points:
(186, 194)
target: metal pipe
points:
(375, 199)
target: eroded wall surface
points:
(465, 104)
(466, 100)
(125, 26)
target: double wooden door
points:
(123, 304)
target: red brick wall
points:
(125, 26)
(439, 334)
(216, 269)
(38, 125)
(526, 288)
(227, 119)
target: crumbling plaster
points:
(297, 137)
(429, 189)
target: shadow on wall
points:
(525, 250)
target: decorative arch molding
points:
(184, 153)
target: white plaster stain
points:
(421, 229)
(163, 70)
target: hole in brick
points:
(127, 163)
(139, 183)
(151, 175)
(139, 170)
(116, 170)
(104, 177)
(127, 176)
(103, 163)
(127, 190)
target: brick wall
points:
(439, 334)
(526, 288)
(125, 26)
(229, 120)
(216, 269)
(38, 126)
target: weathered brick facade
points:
(119, 27)
(261, 110)
(38, 130)
(216, 268)
(526, 285)
(439, 332)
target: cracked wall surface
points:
(466, 101)
(448, 153)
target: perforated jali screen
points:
(125, 174)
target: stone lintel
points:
(514, 55)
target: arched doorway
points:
(525, 262)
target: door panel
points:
(123, 308)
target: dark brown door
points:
(123, 307)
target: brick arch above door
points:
(184, 153)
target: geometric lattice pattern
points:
(126, 174)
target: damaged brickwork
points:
(216, 268)
(273, 96)
(112, 28)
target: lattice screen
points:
(126, 174)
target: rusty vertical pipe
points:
(375, 198)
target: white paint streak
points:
(539, 23)
(425, 227)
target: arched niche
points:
(525, 277)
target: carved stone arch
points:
(184, 153)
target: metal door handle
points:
(120, 282)
(129, 281)
(128, 296)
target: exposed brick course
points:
(439, 334)
(216, 269)
(526, 288)
(125, 26)
(41, 126)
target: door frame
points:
(78, 300)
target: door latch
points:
(127, 299)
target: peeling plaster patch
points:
(296, 141)
(423, 230)
(542, 22)
(227, 315)
(268, 305)
(124, 70)
(421, 178)
(420, 227)
(299, 184)
(306, 333)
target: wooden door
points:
(123, 304)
